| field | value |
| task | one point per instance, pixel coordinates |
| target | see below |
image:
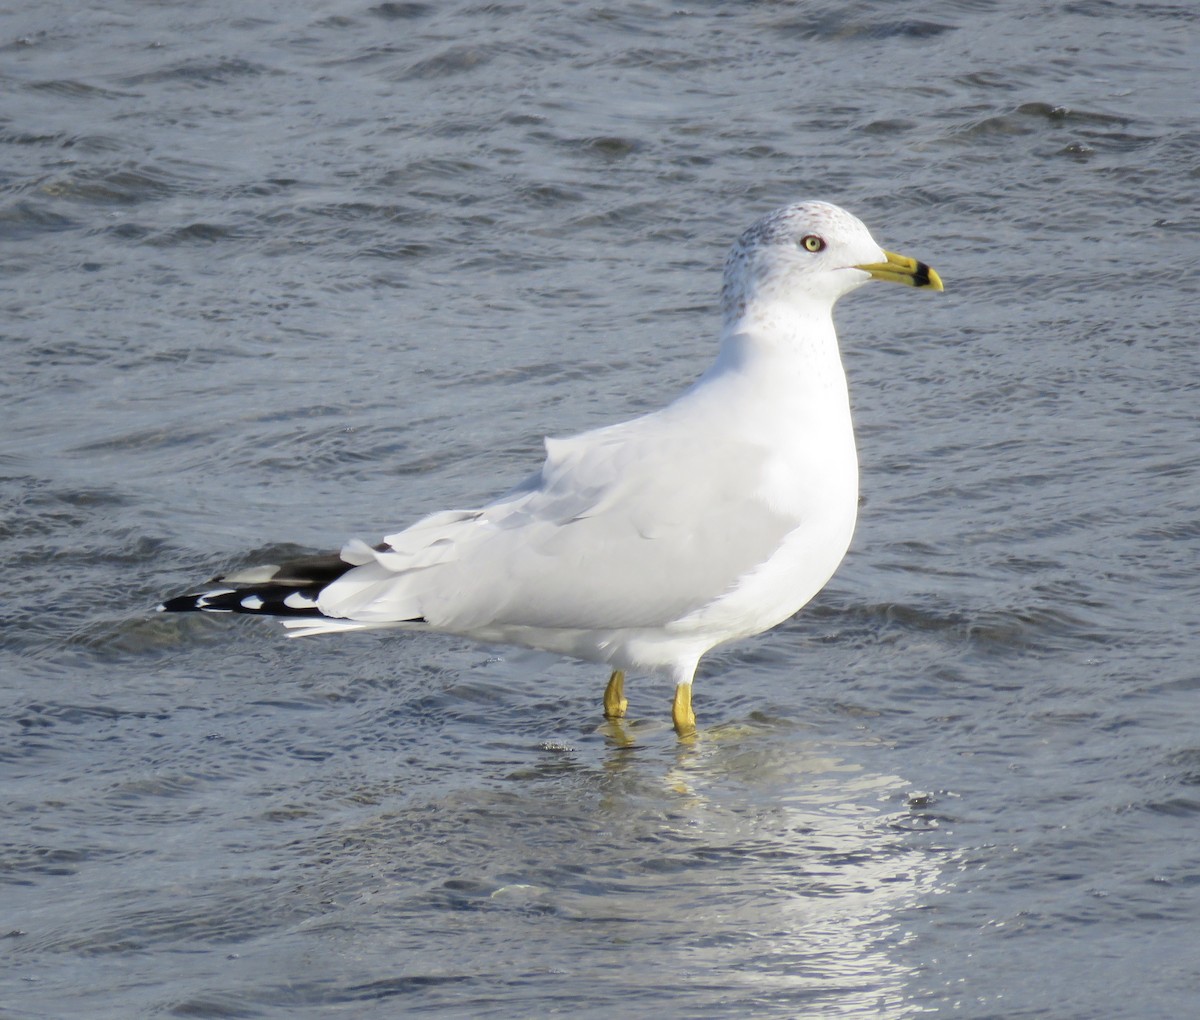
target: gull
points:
(645, 544)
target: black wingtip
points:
(289, 588)
(179, 604)
(266, 600)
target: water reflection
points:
(747, 869)
(804, 874)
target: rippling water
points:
(300, 271)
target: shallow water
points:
(284, 277)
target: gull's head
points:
(807, 256)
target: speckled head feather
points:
(770, 260)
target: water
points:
(297, 272)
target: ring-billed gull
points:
(644, 544)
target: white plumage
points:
(645, 544)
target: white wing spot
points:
(202, 601)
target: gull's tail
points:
(292, 590)
(288, 589)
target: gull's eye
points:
(810, 242)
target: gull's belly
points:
(821, 495)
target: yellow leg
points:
(615, 701)
(681, 711)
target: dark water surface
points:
(290, 272)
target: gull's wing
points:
(629, 526)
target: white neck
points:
(794, 345)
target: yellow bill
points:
(902, 269)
